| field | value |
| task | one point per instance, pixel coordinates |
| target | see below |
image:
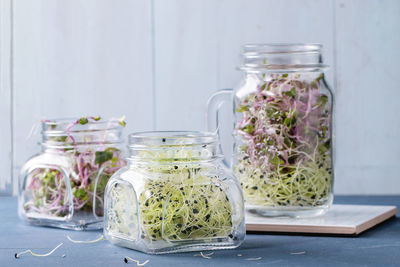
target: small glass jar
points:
(63, 186)
(283, 112)
(175, 195)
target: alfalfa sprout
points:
(178, 201)
(85, 241)
(17, 255)
(127, 259)
(284, 158)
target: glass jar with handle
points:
(283, 142)
(63, 186)
(175, 195)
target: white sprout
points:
(204, 255)
(37, 255)
(85, 242)
(253, 259)
(135, 261)
(298, 253)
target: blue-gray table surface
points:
(379, 246)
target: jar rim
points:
(250, 68)
(79, 132)
(272, 48)
(68, 120)
(61, 125)
(282, 57)
(173, 146)
(183, 137)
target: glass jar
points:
(282, 153)
(175, 195)
(63, 186)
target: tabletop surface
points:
(379, 246)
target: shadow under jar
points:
(63, 186)
(175, 195)
(282, 130)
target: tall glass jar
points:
(175, 195)
(63, 186)
(283, 112)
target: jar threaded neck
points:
(173, 146)
(85, 131)
(282, 57)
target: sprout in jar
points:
(285, 155)
(179, 201)
(90, 167)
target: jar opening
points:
(179, 138)
(281, 48)
(165, 146)
(282, 58)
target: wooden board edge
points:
(301, 229)
(375, 221)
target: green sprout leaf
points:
(276, 161)
(59, 138)
(83, 121)
(242, 108)
(322, 100)
(319, 77)
(314, 85)
(122, 121)
(103, 156)
(81, 194)
(291, 93)
(248, 129)
(288, 121)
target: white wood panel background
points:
(158, 61)
(80, 57)
(368, 91)
(5, 97)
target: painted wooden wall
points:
(158, 61)
(5, 98)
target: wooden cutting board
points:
(340, 219)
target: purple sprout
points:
(88, 163)
(285, 154)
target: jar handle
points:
(214, 104)
(95, 195)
